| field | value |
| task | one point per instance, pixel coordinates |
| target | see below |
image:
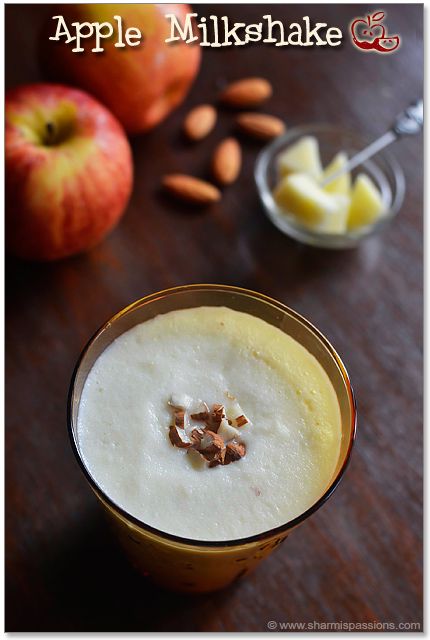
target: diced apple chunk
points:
(336, 221)
(302, 157)
(333, 208)
(342, 184)
(300, 195)
(366, 203)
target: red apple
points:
(69, 171)
(141, 85)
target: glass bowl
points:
(383, 170)
(191, 565)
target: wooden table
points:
(359, 558)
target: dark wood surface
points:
(359, 559)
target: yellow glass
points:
(190, 565)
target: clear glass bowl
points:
(383, 169)
(185, 564)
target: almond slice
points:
(191, 189)
(234, 451)
(218, 414)
(212, 419)
(227, 161)
(201, 416)
(241, 421)
(176, 439)
(236, 416)
(226, 431)
(260, 125)
(179, 416)
(209, 444)
(196, 437)
(200, 121)
(249, 92)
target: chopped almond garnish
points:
(210, 446)
(241, 421)
(180, 418)
(203, 416)
(196, 437)
(212, 419)
(176, 439)
(234, 451)
(179, 414)
(216, 448)
(217, 415)
(227, 432)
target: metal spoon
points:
(409, 122)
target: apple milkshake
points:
(210, 424)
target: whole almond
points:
(191, 189)
(249, 92)
(227, 161)
(260, 125)
(200, 121)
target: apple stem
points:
(50, 131)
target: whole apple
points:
(68, 169)
(141, 85)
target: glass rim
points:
(192, 542)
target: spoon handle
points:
(409, 122)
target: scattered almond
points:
(191, 189)
(249, 92)
(226, 161)
(200, 121)
(260, 125)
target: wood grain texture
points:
(359, 559)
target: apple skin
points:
(67, 183)
(141, 85)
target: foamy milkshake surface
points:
(220, 357)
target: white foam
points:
(209, 354)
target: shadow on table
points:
(282, 264)
(92, 587)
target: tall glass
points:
(185, 564)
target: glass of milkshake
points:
(209, 421)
